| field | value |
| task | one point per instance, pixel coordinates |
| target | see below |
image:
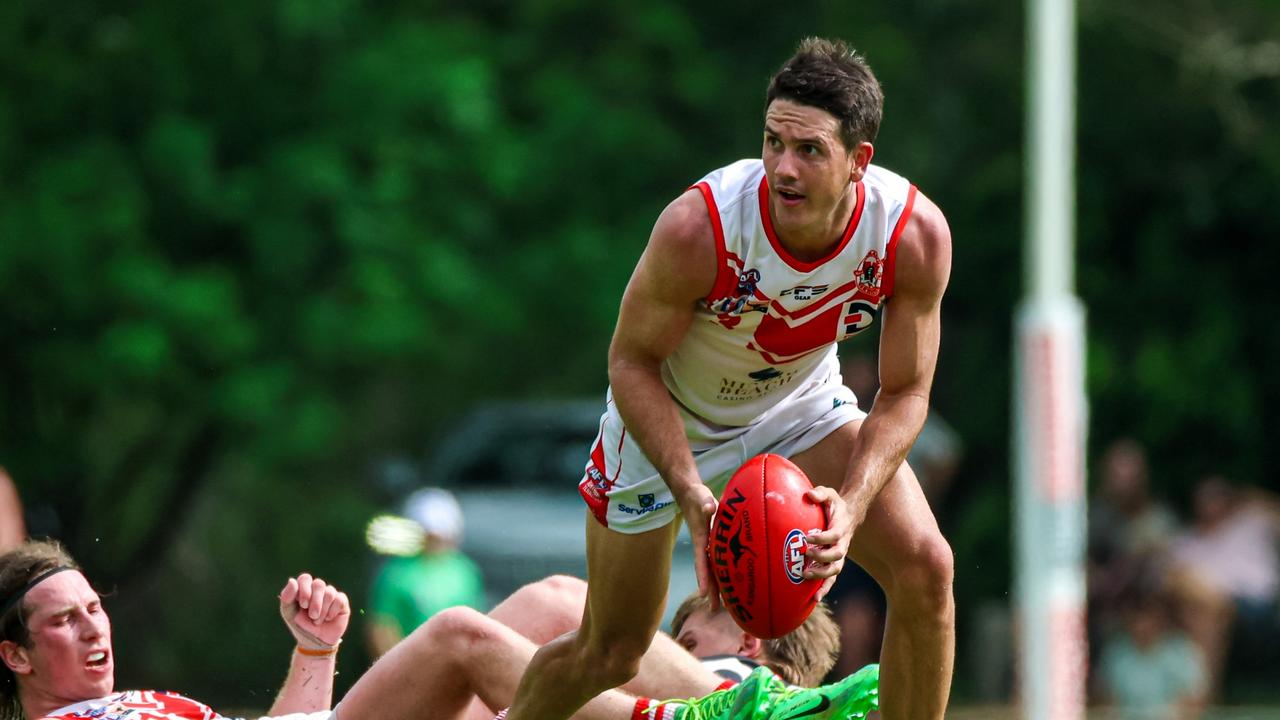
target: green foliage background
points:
(248, 248)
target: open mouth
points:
(790, 197)
(97, 659)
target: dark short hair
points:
(801, 657)
(830, 75)
(17, 568)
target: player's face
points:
(810, 170)
(705, 634)
(70, 657)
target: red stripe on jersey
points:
(891, 252)
(787, 257)
(725, 277)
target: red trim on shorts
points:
(596, 498)
(725, 280)
(726, 684)
(787, 257)
(891, 250)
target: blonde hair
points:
(801, 657)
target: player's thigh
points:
(668, 670)
(899, 529)
(627, 577)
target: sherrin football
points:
(757, 545)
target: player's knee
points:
(454, 627)
(614, 661)
(923, 580)
(558, 591)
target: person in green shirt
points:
(409, 590)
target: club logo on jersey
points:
(805, 292)
(870, 273)
(793, 555)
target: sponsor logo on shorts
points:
(793, 555)
(653, 506)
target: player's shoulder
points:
(924, 250)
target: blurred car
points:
(515, 467)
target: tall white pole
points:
(1049, 397)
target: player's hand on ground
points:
(315, 612)
(698, 506)
(828, 548)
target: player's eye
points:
(809, 150)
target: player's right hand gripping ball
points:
(757, 546)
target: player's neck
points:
(816, 240)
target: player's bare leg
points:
(627, 587)
(900, 545)
(454, 657)
(549, 608)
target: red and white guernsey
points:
(768, 329)
(137, 705)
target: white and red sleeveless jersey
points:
(137, 705)
(768, 329)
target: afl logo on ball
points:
(793, 556)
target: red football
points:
(757, 545)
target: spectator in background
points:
(1226, 571)
(1150, 670)
(1129, 534)
(408, 590)
(13, 529)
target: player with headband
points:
(58, 663)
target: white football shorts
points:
(625, 492)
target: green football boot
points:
(751, 699)
(850, 699)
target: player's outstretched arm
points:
(677, 269)
(912, 323)
(317, 614)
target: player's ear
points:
(15, 657)
(750, 646)
(861, 157)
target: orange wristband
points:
(317, 653)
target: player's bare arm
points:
(676, 270)
(317, 615)
(908, 356)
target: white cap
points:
(437, 511)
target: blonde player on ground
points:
(725, 348)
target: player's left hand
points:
(828, 548)
(315, 612)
